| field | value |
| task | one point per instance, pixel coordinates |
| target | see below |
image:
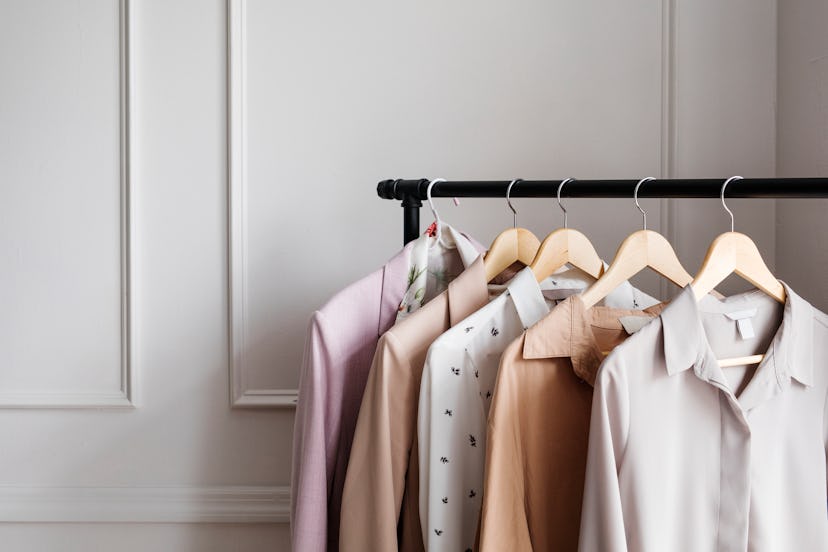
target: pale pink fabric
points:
(339, 347)
(340, 344)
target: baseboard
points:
(225, 504)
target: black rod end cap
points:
(386, 189)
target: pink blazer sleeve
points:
(312, 458)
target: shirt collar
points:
(790, 354)
(625, 294)
(450, 238)
(622, 297)
(527, 297)
(794, 343)
(566, 332)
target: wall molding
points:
(219, 504)
(65, 399)
(669, 126)
(669, 134)
(125, 396)
(241, 395)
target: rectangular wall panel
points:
(64, 209)
(328, 99)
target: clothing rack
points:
(413, 192)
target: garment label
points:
(634, 323)
(743, 323)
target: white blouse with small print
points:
(456, 393)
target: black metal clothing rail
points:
(413, 192)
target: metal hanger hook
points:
(437, 218)
(721, 196)
(509, 200)
(560, 187)
(635, 197)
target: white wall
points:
(182, 454)
(725, 94)
(339, 97)
(331, 100)
(326, 100)
(802, 147)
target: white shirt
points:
(687, 456)
(456, 393)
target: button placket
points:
(735, 470)
(734, 460)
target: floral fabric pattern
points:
(431, 269)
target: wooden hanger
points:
(510, 246)
(638, 251)
(735, 252)
(566, 246)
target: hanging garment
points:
(455, 394)
(687, 456)
(432, 265)
(340, 344)
(539, 423)
(384, 446)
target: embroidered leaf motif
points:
(448, 412)
(468, 329)
(444, 460)
(475, 373)
(472, 494)
(438, 532)
(472, 440)
(455, 371)
(445, 500)
(488, 394)
(495, 332)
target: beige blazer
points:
(382, 483)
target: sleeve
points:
(602, 520)
(448, 436)
(312, 461)
(504, 524)
(375, 481)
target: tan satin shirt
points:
(382, 482)
(538, 427)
